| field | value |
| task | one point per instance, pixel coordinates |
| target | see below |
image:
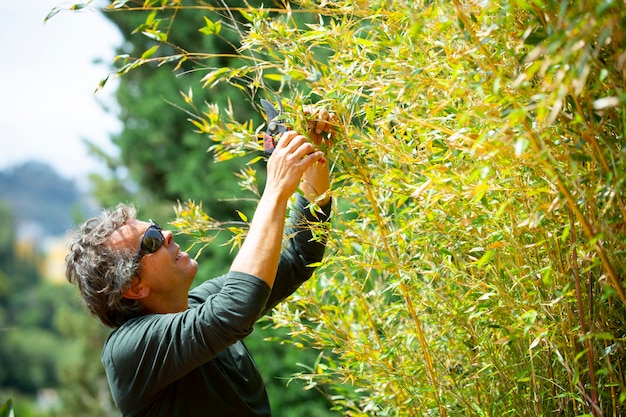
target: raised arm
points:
(260, 252)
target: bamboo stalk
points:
(590, 353)
(587, 227)
(394, 259)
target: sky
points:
(48, 79)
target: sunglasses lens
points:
(152, 239)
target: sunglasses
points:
(151, 241)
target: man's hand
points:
(293, 156)
(316, 179)
(320, 124)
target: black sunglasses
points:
(151, 241)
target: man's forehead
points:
(128, 234)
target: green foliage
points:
(34, 347)
(163, 157)
(161, 160)
(7, 253)
(475, 266)
(31, 345)
(83, 388)
(7, 409)
(289, 397)
(27, 342)
(49, 364)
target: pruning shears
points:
(275, 125)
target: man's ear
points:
(137, 290)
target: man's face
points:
(167, 273)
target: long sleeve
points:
(181, 364)
(150, 352)
(302, 250)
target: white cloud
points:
(48, 77)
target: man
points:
(175, 352)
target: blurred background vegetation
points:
(476, 261)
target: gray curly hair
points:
(101, 273)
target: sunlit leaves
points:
(432, 106)
(215, 76)
(6, 409)
(73, 7)
(150, 28)
(211, 28)
(192, 221)
(149, 52)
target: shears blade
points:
(270, 111)
(274, 125)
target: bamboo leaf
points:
(242, 216)
(6, 410)
(149, 52)
(210, 27)
(52, 13)
(273, 77)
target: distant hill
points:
(40, 197)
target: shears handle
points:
(268, 144)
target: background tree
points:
(158, 149)
(161, 160)
(33, 348)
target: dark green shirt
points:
(194, 363)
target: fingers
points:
(296, 145)
(299, 148)
(290, 140)
(320, 122)
(294, 154)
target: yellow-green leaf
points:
(242, 216)
(147, 54)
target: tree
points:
(161, 160)
(162, 155)
(29, 344)
(477, 251)
(39, 352)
